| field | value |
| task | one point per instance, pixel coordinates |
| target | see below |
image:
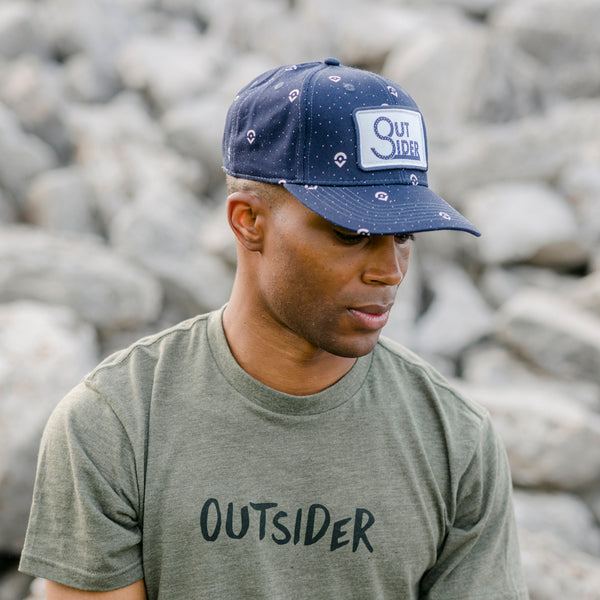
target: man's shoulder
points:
(133, 370)
(409, 371)
(154, 346)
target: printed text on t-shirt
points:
(305, 527)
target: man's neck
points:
(279, 359)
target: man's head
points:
(326, 170)
(349, 144)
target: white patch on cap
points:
(334, 78)
(393, 91)
(390, 137)
(414, 179)
(293, 95)
(340, 159)
(311, 187)
(446, 216)
(251, 136)
(381, 196)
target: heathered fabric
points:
(169, 462)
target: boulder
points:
(195, 129)
(122, 150)
(428, 59)
(525, 222)
(44, 351)
(562, 38)
(492, 365)
(552, 333)
(170, 69)
(551, 441)
(563, 515)
(535, 147)
(456, 317)
(499, 283)
(166, 239)
(20, 29)
(33, 90)
(555, 570)
(79, 272)
(579, 182)
(61, 200)
(22, 155)
(90, 80)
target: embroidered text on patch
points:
(390, 137)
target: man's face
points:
(323, 286)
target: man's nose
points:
(387, 261)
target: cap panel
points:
(263, 134)
(332, 154)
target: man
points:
(277, 448)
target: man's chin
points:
(356, 348)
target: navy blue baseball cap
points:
(347, 143)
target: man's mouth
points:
(371, 316)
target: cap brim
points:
(382, 209)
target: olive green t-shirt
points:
(170, 463)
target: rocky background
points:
(112, 222)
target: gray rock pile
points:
(112, 222)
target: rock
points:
(217, 237)
(489, 364)
(537, 147)
(37, 591)
(556, 571)
(404, 313)
(166, 239)
(122, 150)
(579, 181)
(20, 29)
(34, 92)
(89, 80)
(79, 272)
(44, 351)
(525, 222)
(552, 333)
(499, 283)
(563, 515)
(563, 38)
(61, 200)
(13, 585)
(550, 440)
(170, 69)
(8, 212)
(585, 292)
(96, 27)
(195, 129)
(428, 59)
(22, 156)
(294, 36)
(456, 317)
(592, 497)
(361, 38)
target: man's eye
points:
(349, 238)
(402, 238)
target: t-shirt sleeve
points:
(84, 528)
(480, 556)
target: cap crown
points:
(322, 123)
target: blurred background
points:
(112, 216)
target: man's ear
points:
(244, 213)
